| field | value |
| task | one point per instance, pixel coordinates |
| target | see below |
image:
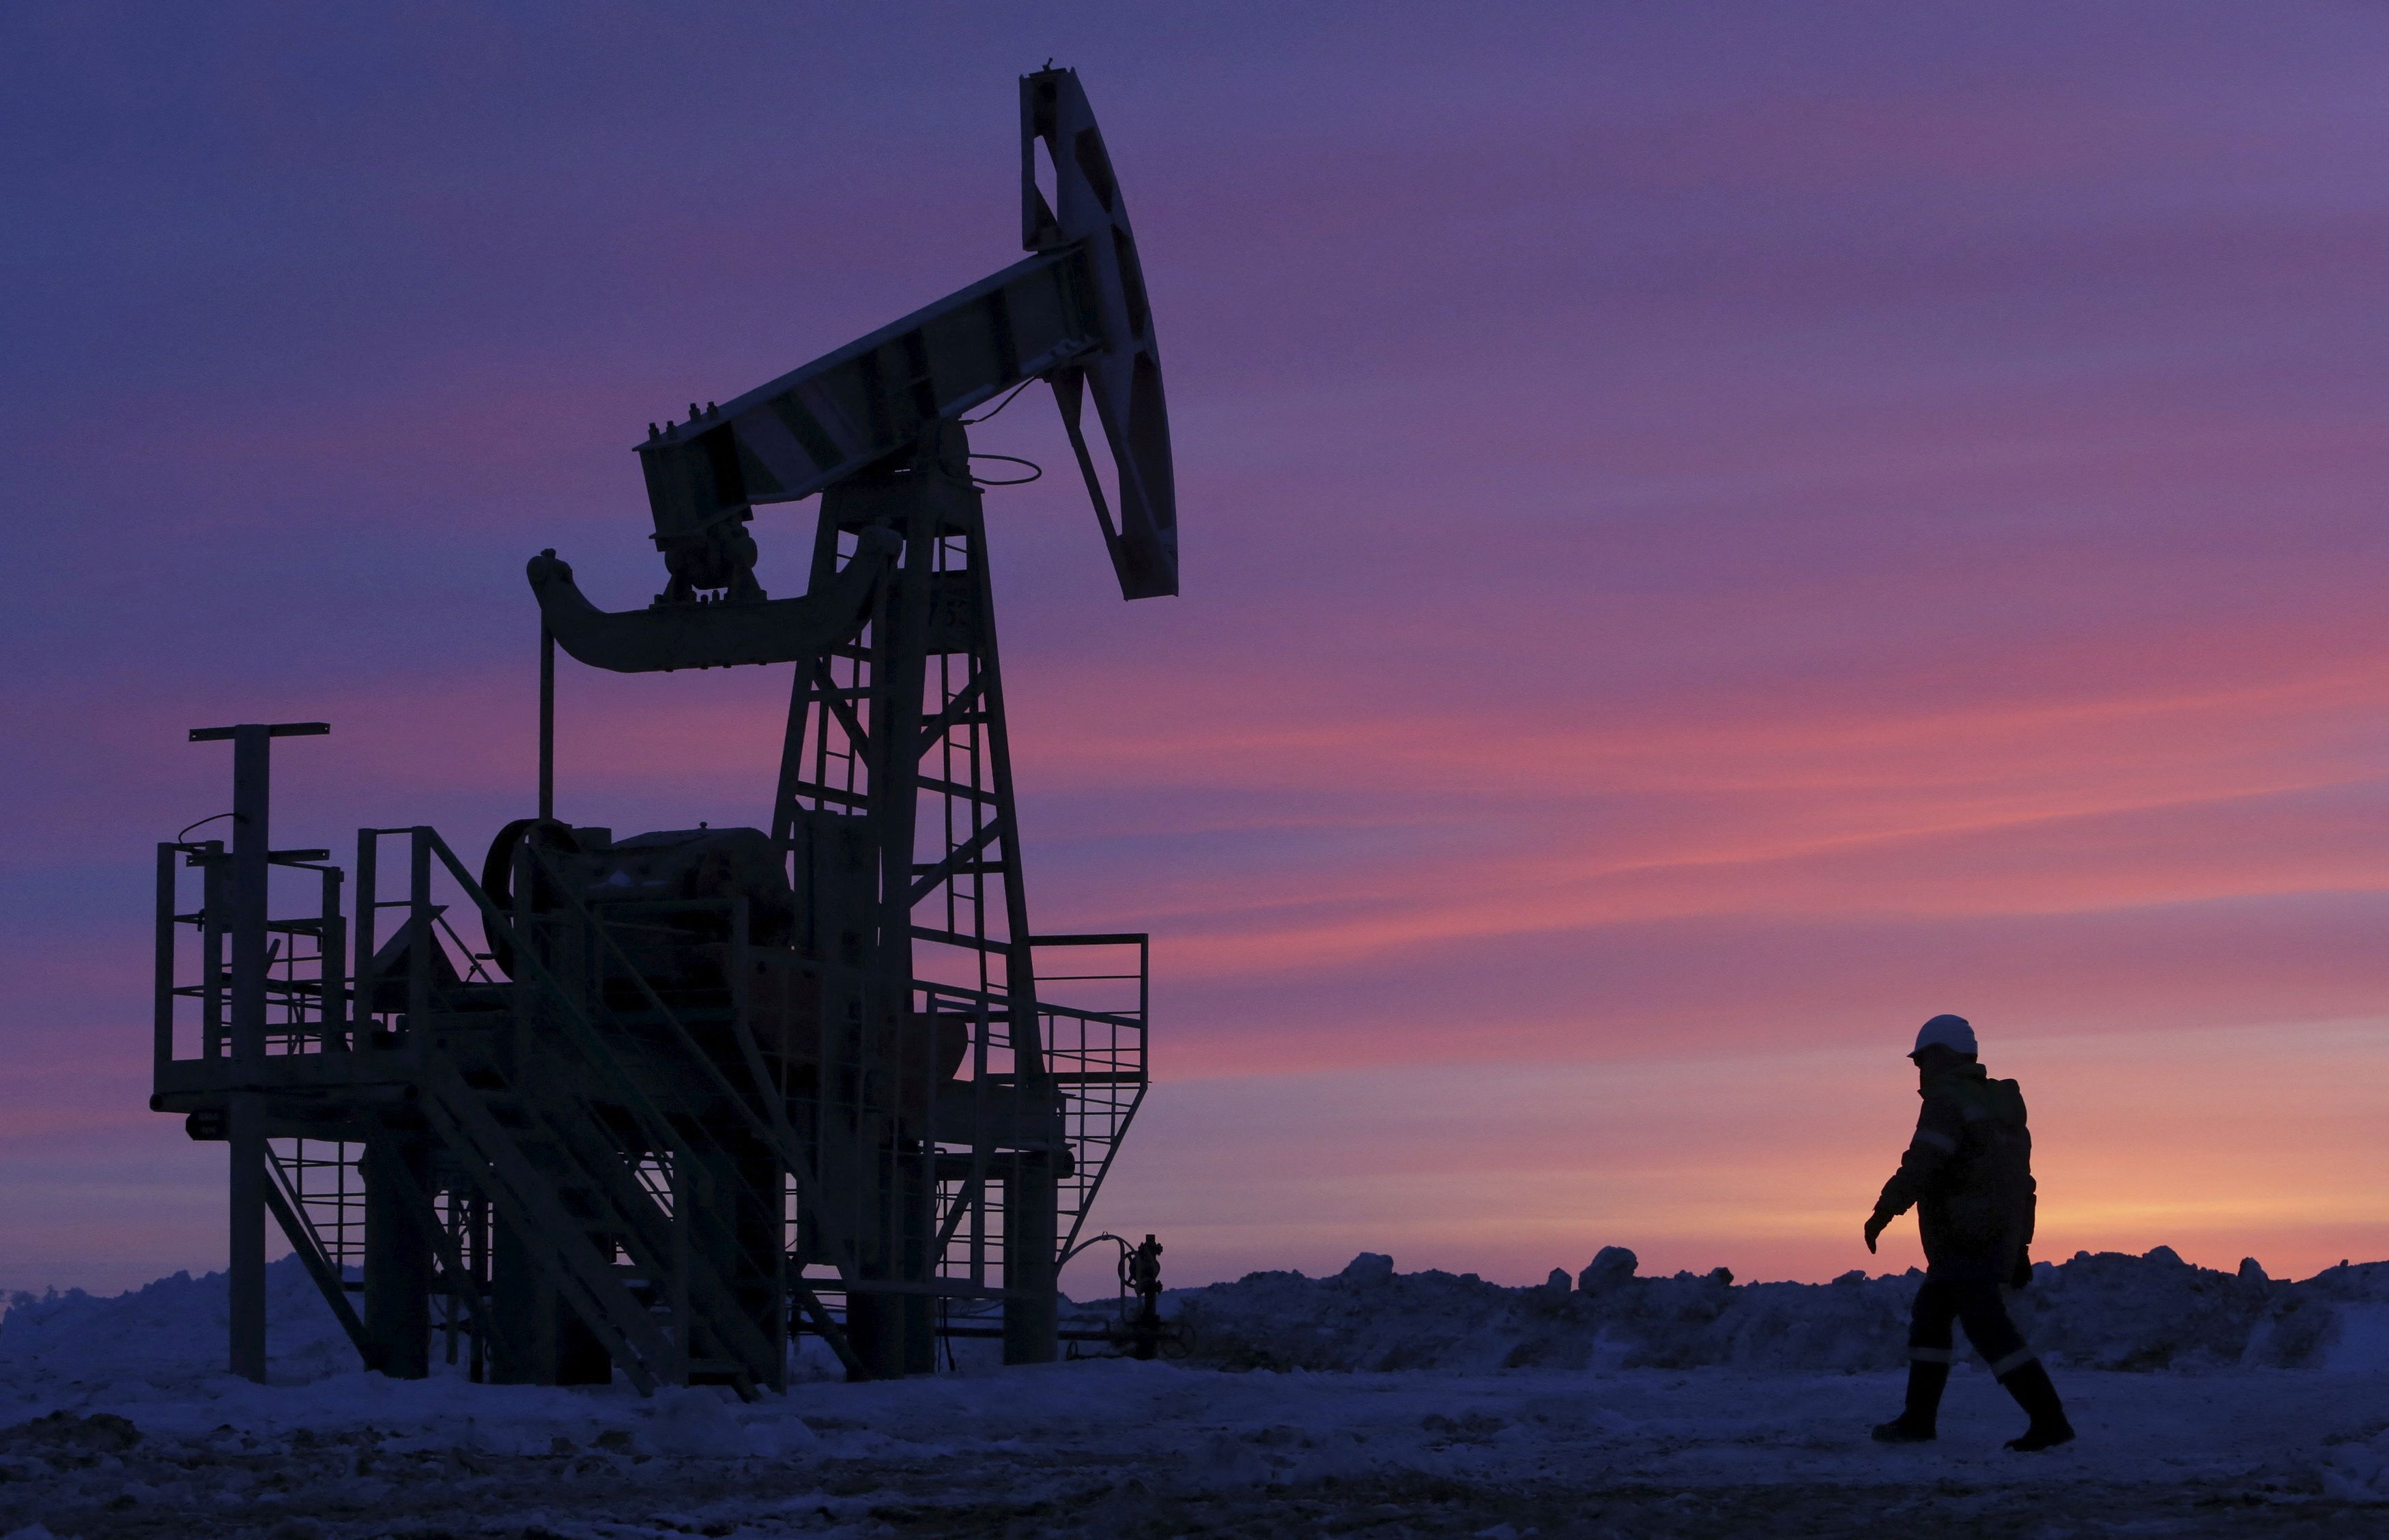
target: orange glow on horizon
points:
(1766, 1162)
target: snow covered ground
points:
(1374, 1402)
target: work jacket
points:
(1968, 1174)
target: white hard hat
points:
(1954, 1032)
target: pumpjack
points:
(653, 1104)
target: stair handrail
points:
(772, 1132)
(282, 1200)
(654, 1128)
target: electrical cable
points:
(203, 823)
(1035, 471)
(1004, 402)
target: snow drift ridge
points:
(2110, 1310)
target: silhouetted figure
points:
(1968, 1174)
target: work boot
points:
(2033, 1392)
(1919, 1422)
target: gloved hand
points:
(1874, 1227)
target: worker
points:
(1968, 1174)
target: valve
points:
(1141, 1274)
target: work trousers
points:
(1977, 1304)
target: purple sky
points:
(1711, 533)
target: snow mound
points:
(171, 1331)
(2110, 1310)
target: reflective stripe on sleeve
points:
(2012, 1362)
(1937, 1140)
(1929, 1354)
